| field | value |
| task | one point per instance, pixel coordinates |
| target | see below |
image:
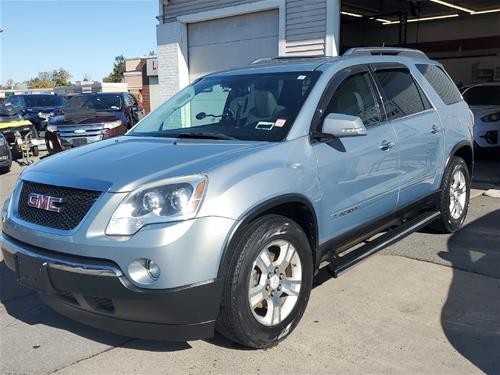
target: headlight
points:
(51, 128)
(161, 202)
(112, 124)
(492, 117)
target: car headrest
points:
(265, 103)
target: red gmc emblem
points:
(44, 202)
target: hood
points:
(125, 163)
(97, 118)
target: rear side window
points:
(402, 95)
(356, 97)
(441, 83)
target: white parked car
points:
(484, 101)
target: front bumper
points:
(97, 293)
(487, 135)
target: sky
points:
(82, 36)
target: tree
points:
(10, 83)
(61, 77)
(87, 77)
(118, 69)
(37, 83)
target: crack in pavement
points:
(92, 356)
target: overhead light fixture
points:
(450, 5)
(351, 14)
(486, 11)
(423, 19)
(463, 9)
(383, 20)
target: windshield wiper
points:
(201, 135)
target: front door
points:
(358, 175)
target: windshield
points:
(259, 107)
(43, 100)
(99, 103)
(483, 95)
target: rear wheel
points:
(268, 282)
(454, 196)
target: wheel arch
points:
(464, 150)
(296, 207)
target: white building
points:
(196, 37)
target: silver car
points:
(217, 209)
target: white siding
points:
(176, 8)
(305, 27)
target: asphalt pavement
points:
(428, 304)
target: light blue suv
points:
(217, 209)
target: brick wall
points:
(168, 35)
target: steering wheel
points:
(228, 116)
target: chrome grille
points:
(75, 205)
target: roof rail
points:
(380, 51)
(261, 59)
(284, 58)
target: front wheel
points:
(268, 282)
(454, 196)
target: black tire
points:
(6, 169)
(446, 223)
(236, 320)
(35, 151)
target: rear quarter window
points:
(441, 83)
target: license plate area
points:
(79, 141)
(33, 274)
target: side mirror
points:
(339, 126)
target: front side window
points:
(248, 107)
(483, 95)
(402, 96)
(441, 83)
(355, 96)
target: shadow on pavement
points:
(471, 315)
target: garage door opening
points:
(463, 35)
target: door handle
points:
(435, 129)
(386, 145)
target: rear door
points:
(418, 129)
(358, 175)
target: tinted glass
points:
(483, 95)
(441, 83)
(101, 102)
(355, 96)
(43, 100)
(249, 107)
(402, 96)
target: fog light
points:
(144, 271)
(153, 269)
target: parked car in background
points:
(37, 108)
(484, 102)
(15, 129)
(89, 118)
(216, 210)
(5, 155)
